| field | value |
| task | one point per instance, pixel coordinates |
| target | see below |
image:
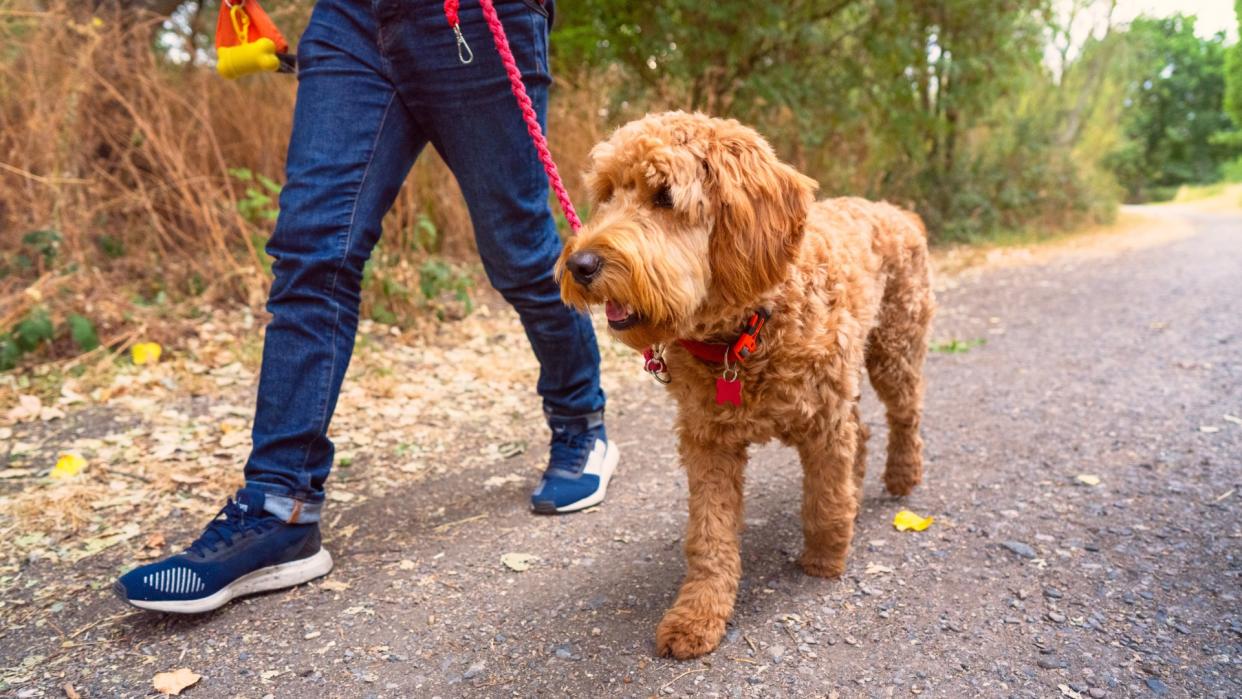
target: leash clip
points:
(464, 54)
(653, 363)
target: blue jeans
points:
(378, 81)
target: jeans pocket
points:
(537, 6)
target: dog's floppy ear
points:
(599, 161)
(761, 213)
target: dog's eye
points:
(663, 198)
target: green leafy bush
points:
(82, 331)
(34, 330)
(260, 204)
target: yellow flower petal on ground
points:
(68, 466)
(907, 520)
(146, 353)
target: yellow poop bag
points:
(246, 40)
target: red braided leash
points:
(519, 92)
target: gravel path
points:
(1120, 365)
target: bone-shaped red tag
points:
(728, 391)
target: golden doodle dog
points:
(759, 307)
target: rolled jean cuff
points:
(290, 509)
(575, 423)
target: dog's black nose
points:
(585, 266)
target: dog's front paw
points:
(901, 483)
(822, 566)
(684, 635)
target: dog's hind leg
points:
(860, 455)
(829, 495)
(696, 622)
(895, 352)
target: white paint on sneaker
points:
(601, 462)
(262, 580)
(175, 581)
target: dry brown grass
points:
(102, 141)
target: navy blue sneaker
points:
(580, 466)
(243, 551)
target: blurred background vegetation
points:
(136, 187)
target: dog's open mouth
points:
(620, 316)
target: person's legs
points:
(473, 120)
(352, 144)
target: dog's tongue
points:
(617, 311)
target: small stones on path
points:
(474, 670)
(1157, 687)
(1056, 617)
(1053, 663)
(1052, 593)
(1019, 549)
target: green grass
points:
(956, 346)
(1198, 192)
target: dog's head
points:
(690, 213)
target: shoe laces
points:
(570, 451)
(230, 523)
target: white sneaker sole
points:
(262, 580)
(605, 477)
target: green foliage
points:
(112, 248)
(37, 252)
(426, 235)
(956, 346)
(258, 243)
(82, 331)
(385, 293)
(37, 332)
(35, 329)
(44, 244)
(9, 352)
(437, 278)
(941, 106)
(1232, 170)
(1233, 73)
(260, 204)
(1174, 108)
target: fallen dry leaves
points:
(174, 682)
(518, 562)
(164, 440)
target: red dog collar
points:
(736, 352)
(730, 354)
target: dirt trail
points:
(1119, 364)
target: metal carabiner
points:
(464, 54)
